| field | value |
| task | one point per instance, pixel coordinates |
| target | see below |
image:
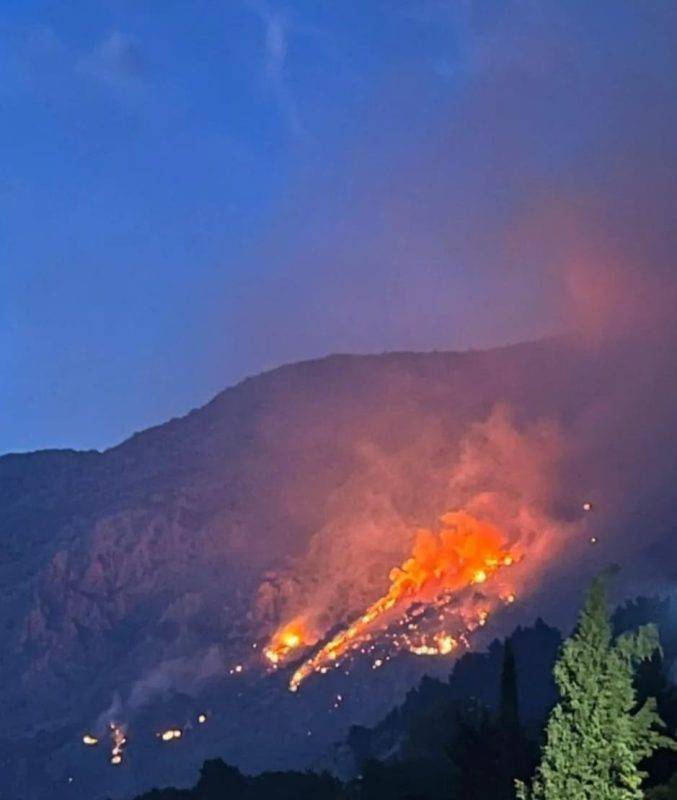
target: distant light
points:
(587, 506)
(202, 718)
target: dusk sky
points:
(191, 192)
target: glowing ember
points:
(466, 551)
(170, 734)
(118, 740)
(441, 645)
(90, 741)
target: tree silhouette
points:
(508, 712)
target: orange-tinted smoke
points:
(464, 552)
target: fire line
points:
(465, 551)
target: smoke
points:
(500, 473)
(538, 196)
(533, 191)
(535, 178)
(185, 674)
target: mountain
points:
(138, 580)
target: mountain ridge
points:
(148, 570)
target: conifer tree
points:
(513, 751)
(596, 737)
(508, 712)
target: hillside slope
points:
(134, 580)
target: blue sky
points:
(191, 192)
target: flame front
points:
(464, 552)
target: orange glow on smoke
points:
(466, 551)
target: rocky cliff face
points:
(135, 580)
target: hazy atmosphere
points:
(338, 370)
(193, 194)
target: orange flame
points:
(289, 638)
(466, 551)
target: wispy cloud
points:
(276, 43)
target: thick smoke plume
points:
(500, 488)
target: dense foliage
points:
(597, 735)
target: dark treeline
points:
(473, 736)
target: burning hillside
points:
(465, 552)
(232, 554)
(456, 574)
(501, 479)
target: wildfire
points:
(441, 645)
(466, 551)
(285, 641)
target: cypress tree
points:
(508, 712)
(512, 747)
(596, 736)
(476, 757)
